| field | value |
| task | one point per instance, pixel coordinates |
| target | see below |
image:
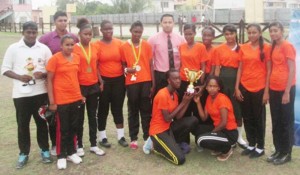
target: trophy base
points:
(190, 90)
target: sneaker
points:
(224, 157)
(242, 145)
(215, 153)
(133, 144)
(53, 151)
(74, 158)
(46, 158)
(80, 152)
(256, 154)
(185, 147)
(23, 159)
(105, 143)
(247, 152)
(282, 159)
(123, 142)
(147, 146)
(61, 164)
(274, 156)
(97, 151)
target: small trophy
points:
(192, 76)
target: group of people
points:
(68, 74)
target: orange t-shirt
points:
(109, 56)
(162, 101)
(191, 58)
(144, 62)
(280, 68)
(210, 61)
(254, 71)
(87, 78)
(227, 57)
(65, 81)
(213, 108)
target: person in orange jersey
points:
(88, 80)
(282, 94)
(65, 98)
(251, 89)
(137, 62)
(112, 84)
(220, 136)
(226, 66)
(166, 133)
(193, 56)
(208, 34)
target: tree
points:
(62, 4)
(130, 6)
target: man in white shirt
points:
(25, 63)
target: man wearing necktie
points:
(165, 51)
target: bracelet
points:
(125, 70)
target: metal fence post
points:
(121, 34)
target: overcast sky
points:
(41, 3)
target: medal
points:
(88, 57)
(133, 77)
(138, 68)
(89, 69)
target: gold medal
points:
(89, 69)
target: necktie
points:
(170, 52)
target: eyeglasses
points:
(31, 82)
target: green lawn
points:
(119, 160)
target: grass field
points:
(119, 160)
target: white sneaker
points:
(53, 151)
(61, 164)
(80, 152)
(148, 145)
(97, 151)
(74, 158)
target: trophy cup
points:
(192, 76)
(30, 68)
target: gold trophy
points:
(192, 76)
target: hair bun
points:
(82, 22)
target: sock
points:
(240, 138)
(102, 135)
(250, 147)
(120, 132)
(259, 150)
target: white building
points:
(163, 6)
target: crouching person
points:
(165, 132)
(25, 62)
(220, 136)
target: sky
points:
(41, 3)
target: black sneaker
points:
(243, 146)
(23, 159)
(247, 151)
(105, 143)
(274, 156)
(256, 154)
(123, 142)
(282, 159)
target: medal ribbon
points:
(137, 58)
(87, 56)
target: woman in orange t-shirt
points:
(166, 133)
(88, 80)
(282, 94)
(137, 62)
(220, 136)
(193, 56)
(112, 84)
(65, 98)
(251, 89)
(208, 34)
(226, 66)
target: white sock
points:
(102, 135)
(240, 138)
(250, 147)
(259, 150)
(120, 132)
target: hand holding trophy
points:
(192, 76)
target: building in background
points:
(163, 6)
(281, 4)
(15, 11)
